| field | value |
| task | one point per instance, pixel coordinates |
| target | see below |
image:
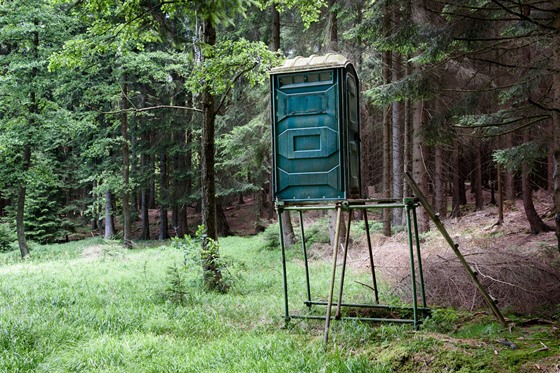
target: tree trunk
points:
(207, 151)
(457, 180)
(509, 180)
(22, 189)
(331, 37)
(145, 235)
(535, 221)
(397, 146)
(556, 139)
(556, 154)
(260, 198)
(109, 225)
(180, 188)
(126, 210)
(223, 226)
(163, 197)
(20, 213)
(500, 195)
(332, 228)
(419, 171)
(387, 136)
(408, 135)
(187, 167)
(477, 184)
(550, 170)
(288, 229)
(439, 183)
(275, 29)
(212, 274)
(2, 205)
(145, 192)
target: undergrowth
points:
(89, 306)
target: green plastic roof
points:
(312, 62)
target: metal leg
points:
(412, 266)
(284, 276)
(333, 273)
(373, 279)
(344, 258)
(303, 246)
(419, 257)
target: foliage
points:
(244, 158)
(514, 158)
(197, 251)
(317, 233)
(271, 237)
(7, 237)
(180, 290)
(441, 320)
(44, 221)
(227, 61)
(309, 10)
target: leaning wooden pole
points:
(455, 247)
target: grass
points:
(93, 306)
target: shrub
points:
(7, 237)
(317, 233)
(520, 282)
(271, 237)
(199, 250)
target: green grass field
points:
(93, 306)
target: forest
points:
(111, 109)
(133, 130)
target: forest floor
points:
(92, 305)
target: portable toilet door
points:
(316, 129)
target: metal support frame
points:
(348, 206)
(455, 247)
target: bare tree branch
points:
(523, 16)
(540, 106)
(153, 108)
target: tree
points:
(524, 88)
(220, 66)
(29, 32)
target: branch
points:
(152, 108)
(511, 121)
(366, 285)
(235, 78)
(511, 66)
(522, 16)
(541, 106)
(506, 132)
(490, 89)
(502, 37)
(500, 281)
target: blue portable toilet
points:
(315, 129)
